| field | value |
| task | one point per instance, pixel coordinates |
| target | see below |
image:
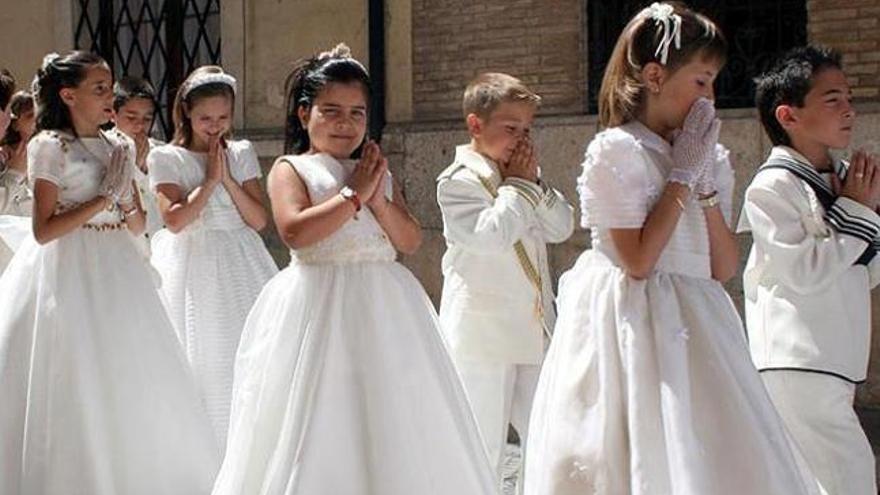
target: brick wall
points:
(539, 41)
(853, 27)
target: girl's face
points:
(26, 124)
(337, 120)
(135, 117)
(91, 102)
(679, 89)
(211, 118)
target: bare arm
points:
(299, 223)
(48, 225)
(639, 249)
(403, 228)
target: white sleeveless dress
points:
(343, 384)
(648, 387)
(96, 397)
(212, 271)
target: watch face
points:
(347, 192)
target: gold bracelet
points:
(680, 203)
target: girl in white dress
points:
(342, 382)
(97, 398)
(647, 387)
(16, 201)
(212, 262)
(134, 107)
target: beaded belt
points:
(105, 226)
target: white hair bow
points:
(48, 59)
(664, 15)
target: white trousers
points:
(500, 395)
(817, 410)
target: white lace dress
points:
(648, 388)
(212, 271)
(96, 397)
(343, 384)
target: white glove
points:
(116, 184)
(707, 177)
(694, 146)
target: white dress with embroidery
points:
(647, 388)
(343, 384)
(212, 270)
(96, 397)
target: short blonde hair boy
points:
(483, 95)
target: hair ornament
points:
(209, 78)
(664, 16)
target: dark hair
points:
(21, 103)
(307, 80)
(129, 88)
(621, 93)
(57, 73)
(7, 87)
(185, 100)
(788, 82)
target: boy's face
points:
(827, 116)
(497, 136)
(135, 117)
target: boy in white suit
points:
(497, 309)
(815, 229)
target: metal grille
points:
(757, 31)
(159, 40)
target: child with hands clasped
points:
(97, 397)
(212, 261)
(647, 387)
(134, 107)
(342, 381)
(497, 309)
(812, 265)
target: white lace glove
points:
(694, 146)
(707, 177)
(116, 184)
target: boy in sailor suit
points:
(496, 310)
(812, 265)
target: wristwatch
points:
(350, 194)
(710, 201)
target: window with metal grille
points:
(159, 40)
(757, 32)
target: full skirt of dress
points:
(343, 384)
(210, 279)
(97, 398)
(648, 389)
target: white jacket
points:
(489, 310)
(807, 303)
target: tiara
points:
(208, 78)
(664, 16)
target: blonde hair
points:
(185, 99)
(483, 95)
(621, 93)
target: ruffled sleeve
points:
(245, 164)
(164, 165)
(613, 183)
(45, 154)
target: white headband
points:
(209, 78)
(664, 15)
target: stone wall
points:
(539, 41)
